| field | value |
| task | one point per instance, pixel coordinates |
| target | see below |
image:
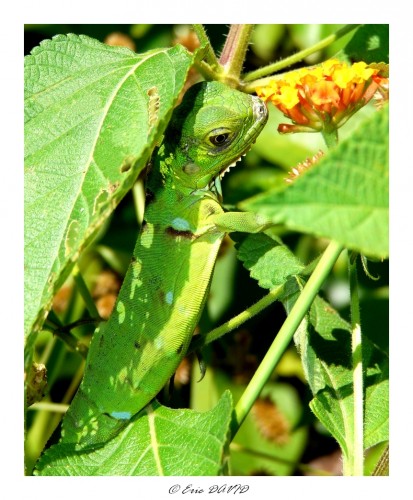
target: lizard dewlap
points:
(168, 279)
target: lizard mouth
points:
(226, 169)
(215, 184)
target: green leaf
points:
(93, 115)
(343, 197)
(269, 262)
(370, 44)
(327, 324)
(376, 420)
(159, 442)
(328, 359)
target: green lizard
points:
(134, 354)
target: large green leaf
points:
(344, 197)
(93, 115)
(326, 354)
(160, 442)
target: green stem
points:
(138, 192)
(50, 407)
(203, 38)
(330, 137)
(63, 333)
(353, 464)
(84, 292)
(285, 335)
(207, 72)
(202, 340)
(233, 54)
(302, 54)
(54, 325)
(47, 352)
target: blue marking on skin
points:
(169, 297)
(121, 415)
(180, 224)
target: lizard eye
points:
(219, 139)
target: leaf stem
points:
(54, 325)
(202, 340)
(211, 58)
(138, 192)
(354, 463)
(84, 292)
(285, 335)
(49, 406)
(206, 71)
(302, 54)
(330, 137)
(63, 333)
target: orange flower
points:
(324, 97)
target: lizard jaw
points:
(226, 169)
(215, 184)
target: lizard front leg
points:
(244, 222)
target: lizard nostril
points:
(259, 108)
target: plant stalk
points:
(49, 406)
(353, 465)
(330, 137)
(233, 54)
(84, 292)
(285, 335)
(202, 340)
(203, 38)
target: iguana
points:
(134, 354)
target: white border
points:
(211, 12)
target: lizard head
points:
(210, 130)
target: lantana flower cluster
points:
(323, 97)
